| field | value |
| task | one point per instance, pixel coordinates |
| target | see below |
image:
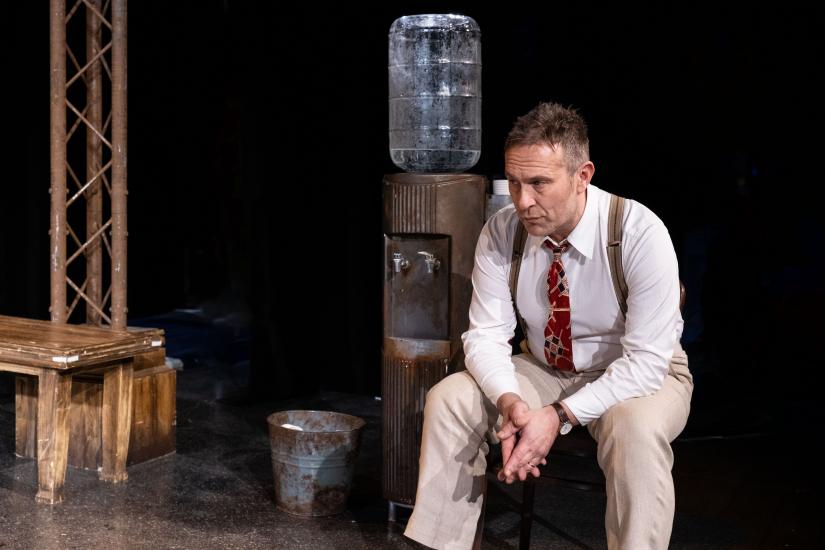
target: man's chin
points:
(535, 229)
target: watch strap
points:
(563, 418)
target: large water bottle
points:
(435, 93)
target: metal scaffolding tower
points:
(90, 95)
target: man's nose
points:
(523, 198)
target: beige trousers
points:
(633, 451)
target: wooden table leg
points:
(117, 421)
(54, 396)
(25, 415)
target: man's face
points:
(548, 199)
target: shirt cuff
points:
(497, 385)
(585, 405)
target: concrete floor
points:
(757, 491)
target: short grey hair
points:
(553, 124)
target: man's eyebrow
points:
(533, 179)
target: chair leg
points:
(527, 498)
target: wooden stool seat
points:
(54, 353)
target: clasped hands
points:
(526, 437)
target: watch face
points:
(565, 428)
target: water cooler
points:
(433, 214)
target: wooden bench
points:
(54, 353)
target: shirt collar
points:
(583, 236)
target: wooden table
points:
(53, 353)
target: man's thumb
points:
(508, 430)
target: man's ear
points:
(585, 174)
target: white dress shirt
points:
(633, 353)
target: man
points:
(623, 375)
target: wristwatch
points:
(564, 423)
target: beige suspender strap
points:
(515, 266)
(615, 219)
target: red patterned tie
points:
(558, 343)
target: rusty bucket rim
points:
(360, 422)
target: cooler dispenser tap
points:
(432, 262)
(399, 263)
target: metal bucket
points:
(313, 468)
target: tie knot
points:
(559, 248)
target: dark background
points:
(258, 141)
